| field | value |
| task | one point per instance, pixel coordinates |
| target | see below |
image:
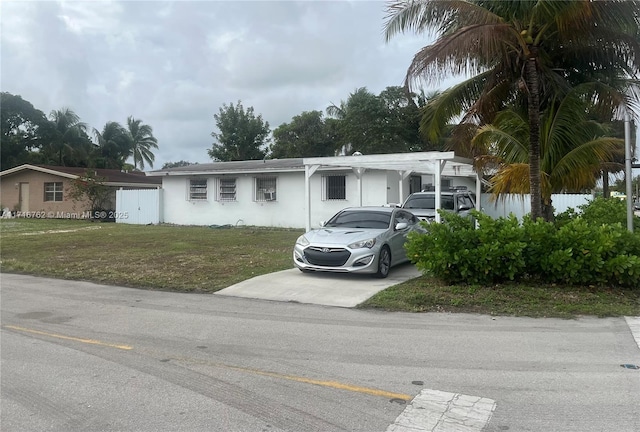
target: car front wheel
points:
(384, 263)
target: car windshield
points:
(429, 202)
(360, 219)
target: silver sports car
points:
(357, 240)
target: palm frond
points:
(433, 16)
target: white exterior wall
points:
(287, 211)
(283, 212)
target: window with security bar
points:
(227, 189)
(265, 188)
(53, 191)
(334, 187)
(197, 189)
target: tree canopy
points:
(529, 52)
(307, 135)
(28, 136)
(384, 123)
(22, 129)
(242, 135)
(180, 163)
(141, 142)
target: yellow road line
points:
(59, 336)
(332, 384)
(324, 383)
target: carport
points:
(436, 163)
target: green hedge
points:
(578, 250)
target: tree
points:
(21, 130)
(141, 142)
(306, 136)
(620, 185)
(68, 141)
(114, 146)
(90, 189)
(528, 50)
(181, 163)
(242, 136)
(573, 148)
(386, 123)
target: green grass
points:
(425, 294)
(194, 259)
(205, 260)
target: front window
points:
(53, 191)
(265, 189)
(334, 187)
(197, 189)
(227, 189)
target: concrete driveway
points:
(329, 289)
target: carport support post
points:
(478, 191)
(358, 171)
(403, 177)
(438, 181)
(309, 170)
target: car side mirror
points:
(464, 208)
(401, 225)
(322, 223)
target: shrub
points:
(455, 251)
(600, 211)
(574, 252)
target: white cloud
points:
(174, 64)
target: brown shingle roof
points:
(112, 175)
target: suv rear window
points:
(429, 202)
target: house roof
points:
(419, 162)
(234, 167)
(114, 177)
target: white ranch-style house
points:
(300, 192)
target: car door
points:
(399, 237)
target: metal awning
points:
(437, 163)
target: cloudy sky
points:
(173, 64)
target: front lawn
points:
(205, 260)
(194, 259)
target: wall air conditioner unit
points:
(269, 196)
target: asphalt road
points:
(85, 357)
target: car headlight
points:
(302, 241)
(363, 244)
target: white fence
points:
(139, 206)
(520, 205)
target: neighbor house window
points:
(334, 187)
(226, 189)
(265, 188)
(197, 189)
(53, 191)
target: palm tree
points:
(572, 148)
(67, 135)
(529, 50)
(113, 145)
(141, 142)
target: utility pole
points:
(628, 171)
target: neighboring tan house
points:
(43, 190)
(297, 192)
